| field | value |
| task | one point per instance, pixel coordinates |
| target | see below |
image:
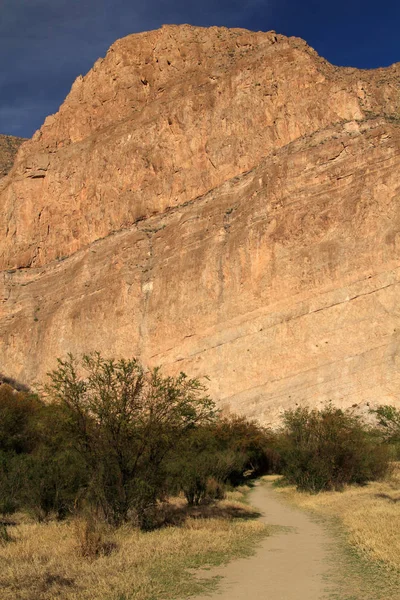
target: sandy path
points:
(289, 565)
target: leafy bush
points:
(215, 490)
(200, 463)
(52, 482)
(18, 417)
(255, 443)
(225, 452)
(40, 469)
(113, 440)
(326, 449)
(389, 427)
(118, 439)
(11, 480)
(125, 421)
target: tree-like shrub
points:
(226, 452)
(200, 466)
(125, 421)
(257, 444)
(326, 449)
(388, 418)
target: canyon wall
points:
(9, 145)
(221, 202)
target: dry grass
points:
(44, 563)
(369, 514)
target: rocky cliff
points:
(217, 201)
(9, 145)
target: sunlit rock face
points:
(217, 201)
(9, 145)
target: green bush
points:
(119, 439)
(18, 416)
(329, 448)
(388, 418)
(257, 444)
(112, 440)
(11, 480)
(40, 469)
(52, 482)
(125, 421)
(200, 464)
(226, 452)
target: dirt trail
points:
(289, 565)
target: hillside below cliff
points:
(217, 201)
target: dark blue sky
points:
(46, 44)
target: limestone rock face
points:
(9, 145)
(217, 201)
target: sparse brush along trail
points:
(292, 564)
(307, 558)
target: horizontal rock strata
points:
(282, 284)
(221, 202)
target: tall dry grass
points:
(370, 515)
(45, 561)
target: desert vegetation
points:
(355, 466)
(76, 560)
(112, 464)
(113, 470)
(369, 513)
(326, 449)
(113, 439)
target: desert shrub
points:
(40, 470)
(326, 449)
(18, 417)
(199, 460)
(18, 437)
(10, 482)
(225, 452)
(388, 424)
(52, 482)
(125, 421)
(118, 439)
(257, 444)
(215, 490)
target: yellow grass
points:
(369, 514)
(43, 562)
